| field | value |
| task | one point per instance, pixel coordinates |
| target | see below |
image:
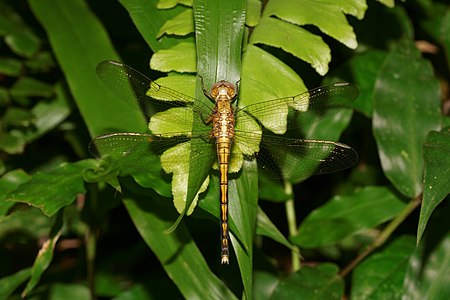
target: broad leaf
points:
(445, 34)
(49, 114)
(180, 58)
(343, 216)
(428, 273)
(181, 25)
(8, 183)
(265, 284)
(328, 16)
(364, 68)
(149, 16)
(80, 30)
(68, 292)
(243, 198)
(31, 87)
(66, 183)
(318, 282)
(381, 275)
(10, 66)
(20, 219)
(290, 15)
(406, 107)
(219, 30)
(293, 39)
(259, 85)
(437, 175)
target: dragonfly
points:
(224, 132)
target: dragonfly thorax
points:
(223, 89)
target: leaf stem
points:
(292, 226)
(384, 235)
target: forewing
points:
(310, 107)
(143, 94)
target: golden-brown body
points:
(223, 131)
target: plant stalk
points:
(292, 226)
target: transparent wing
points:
(135, 153)
(143, 94)
(310, 105)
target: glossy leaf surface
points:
(402, 117)
(346, 215)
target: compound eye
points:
(223, 87)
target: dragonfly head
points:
(223, 89)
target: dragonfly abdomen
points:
(223, 153)
(223, 131)
(224, 134)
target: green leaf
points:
(180, 58)
(16, 116)
(180, 180)
(107, 284)
(428, 274)
(272, 190)
(381, 275)
(79, 29)
(149, 20)
(219, 40)
(136, 292)
(243, 205)
(181, 83)
(293, 39)
(406, 107)
(165, 4)
(445, 34)
(10, 66)
(8, 284)
(388, 3)
(319, 282)
(283, 32)
(258, 84)
(177, 252)
(23, 43)
(265, 284)
(69, 292)
(44, 257)
(20, 219)
(30, 87)
(4, 97)
(9, 182)
(49, 114)
(12, 142)
(180, 25)
(41, 62)
(328, 16)
(267, 228)
(343, 216)
(210, 202)
(219, 29)
(364, 68)
(66, 182)
(437, 175)
(253, 13)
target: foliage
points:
(70, 226)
